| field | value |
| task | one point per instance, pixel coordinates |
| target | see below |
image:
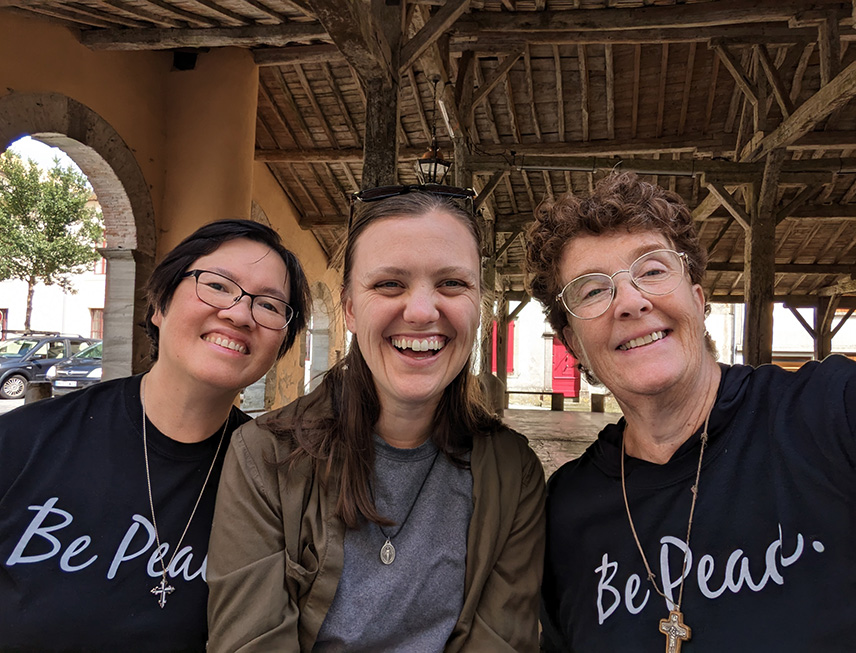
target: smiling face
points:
(643, 344)
(413, 304)
(223, 348)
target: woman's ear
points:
(348, 310)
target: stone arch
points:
(126, 204)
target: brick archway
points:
(101, 153)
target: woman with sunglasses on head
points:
(387, 510)
(719, 510)
(107, 494)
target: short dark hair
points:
(170, 271)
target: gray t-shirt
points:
(412, 604)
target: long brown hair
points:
(334, 425)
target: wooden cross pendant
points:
(675, 630)
(161, 590)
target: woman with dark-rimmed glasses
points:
(718, 514)
(387, 510)
(107, 493)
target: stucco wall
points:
(291, 371)
(191, 133)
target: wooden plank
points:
(437, 25)
(634, 105)
(610, 91)
(688, 84)
(661, 96)
(313, 101)
(343, 105)
(786, 268)
(213, 37)
(582, 60)
(560, 94)
(530, 92)
(145, 14)
(830, 48)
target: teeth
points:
(418, 345)
(228, 344)
(644, 340)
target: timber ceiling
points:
(742, 107)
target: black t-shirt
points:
(78, 557)
(773, 559)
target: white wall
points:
(53, 309)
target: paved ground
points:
(555, 436)
(8, 404)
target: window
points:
(100, 266)
(97, 317)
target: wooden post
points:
(380, 151)
(823, 315)
(760, 274)
(502, 345)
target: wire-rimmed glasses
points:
(656, 273)
(385, 192)
(221, 292)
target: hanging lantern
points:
(431, 167)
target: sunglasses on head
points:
(385, 192)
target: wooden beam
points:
(436, 26)
(778, 88)
(213, 37)
(830, 97)
(297, 54)
(498, 75)
(489, 187)
(730, 203)
(740, 77)
(692, 15)
(359, 38)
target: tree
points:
(47, 231)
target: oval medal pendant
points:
(387, 552)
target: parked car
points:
(28, 358)
(81, 370)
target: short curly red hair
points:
(620, 202)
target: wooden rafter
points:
(436, 26)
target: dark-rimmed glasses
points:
(221, 292)
(385, 192)
(656, 273)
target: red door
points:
(566, 376)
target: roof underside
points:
(693, 95)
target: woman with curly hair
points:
(720, 509)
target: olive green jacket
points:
(277, 548)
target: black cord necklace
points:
(387, 551)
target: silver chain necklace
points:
(163, 588)
(387, 551)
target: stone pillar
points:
(125, 343)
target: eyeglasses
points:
(385, 192)
(221, 292)
(655, 273)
